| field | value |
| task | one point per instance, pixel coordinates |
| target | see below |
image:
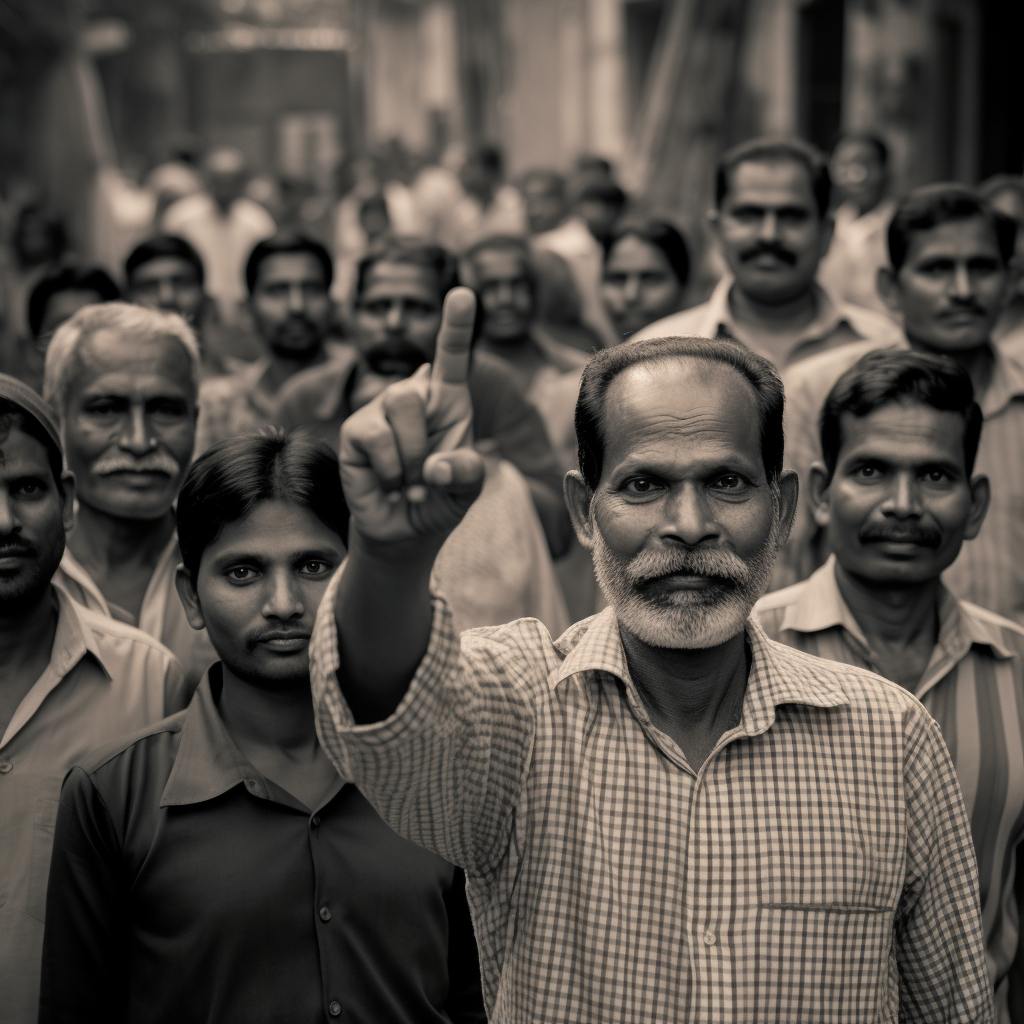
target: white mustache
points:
(151, 462)
(652, 565)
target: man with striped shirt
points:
(663, 815)
(896, 493)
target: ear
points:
(67, 478)
(981, 494)
(189, 598)
(714, 217)
(578, 496)
(789, 491)
(888, 288)
(817, 494)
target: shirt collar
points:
(208, 763)
(820, 606)
(776, 677)
(829, 317)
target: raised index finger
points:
(451, 359)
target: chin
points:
(132, 504)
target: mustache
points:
(151, 462)
(968, 305)
(718, 564)
(257, 636)
(397, 350)
(902, 533)
(769, 248)
(16, 546)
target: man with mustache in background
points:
(897, 491)
(123, 381)
(289, 279)
(663, 814)
(772, 223)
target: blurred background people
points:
(71, 680)
(772, 222)
(949, 280)
(859, 169)
(222, 225)
(55, 298)
(240, 844)
(1005, 192)
(897, 491)
(488, 204)
(646, 271)
(123, 381)
(289, 281)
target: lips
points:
(284, 641)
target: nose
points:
(631, 289)
(687, 517)
(394, 319)
(8, 520)
(769, 226)
(963, 286)
(284, 600)
(904, 499)
(296, 299)
(165, 294)
(503, 293)
(135, 434)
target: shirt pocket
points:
(42, 846)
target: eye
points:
(868, 472)
(936, 476)
(728, 482)
(315, 567)
(29, 489)
(642, 485)
(241, 573)
(103, 407)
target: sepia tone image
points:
(512, 511)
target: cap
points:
(29, 402)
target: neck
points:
(792, 314)
(895, 616)
(257, 716)
(282, 368)
(26, 634)
(689, 688)
(111, 540)
(977, 361)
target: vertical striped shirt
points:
(990, 569)
(974, 688)
(817, 867)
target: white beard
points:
(685, 619)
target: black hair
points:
(415, 251)
(12, 414)
(603, 192)
(869, 139)
(931, 205)
(886, 376)
(489, 157)
(287, 243)
(158, 247)
(230, 479)
(769, 150)
(552, 180)
(607, 364)
(68, 279)
(661, 235)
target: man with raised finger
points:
(663, 815)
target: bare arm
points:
(409, 473)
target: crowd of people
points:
(443, 618)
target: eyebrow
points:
(302, 555)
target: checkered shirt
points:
(818, 867)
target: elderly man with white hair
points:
(123, 381)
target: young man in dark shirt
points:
(216, 867)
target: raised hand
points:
(407, 463)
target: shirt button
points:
(325, 914)
(250, 784)
(315, 820)
(709, 938)
(335, 1008)
(5, 767)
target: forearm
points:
(383, 614)
(554, 517)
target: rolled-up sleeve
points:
(446, 768)
(940, 949)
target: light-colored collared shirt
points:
(836, 323)
(224, 241)
(859, 249)
(974, 688)
(990, 569)
(105, 680)
(817, 867)
(162, 615)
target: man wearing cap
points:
(71, 681)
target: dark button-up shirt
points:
(186, 886)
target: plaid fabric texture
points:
(817, 868)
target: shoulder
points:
(521, 653)
(1008, 632)
(253, 216)
(682, 324)
(490, 380)
(317, 381)
(115, 638)
(771, 609)
(822, 370)
(183, 210)
(140, 746)
(870, 324)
